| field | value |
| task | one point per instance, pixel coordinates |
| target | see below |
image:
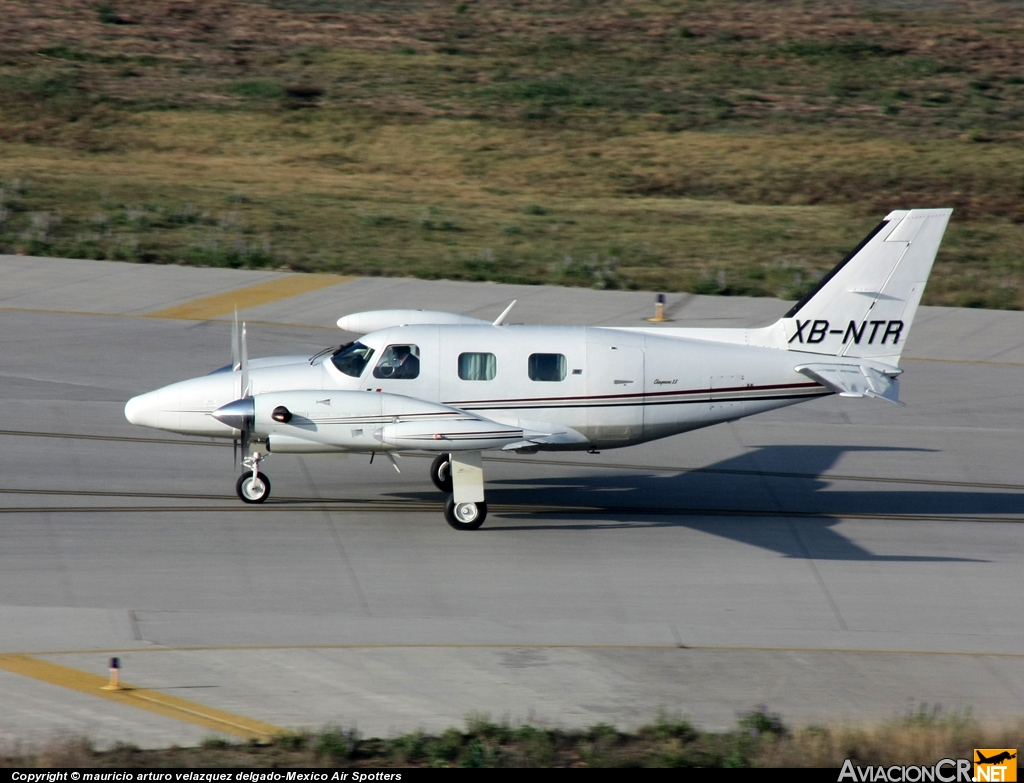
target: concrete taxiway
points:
(838, 560)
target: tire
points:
(457, 516)
(441, 473)
(250, 494)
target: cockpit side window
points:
(352, 359)
(398, 361)
(547, 367)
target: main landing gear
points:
(461, 473)
(464, 516)
(441, 472)
(253, 486)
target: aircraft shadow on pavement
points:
(742, 499)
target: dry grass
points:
(759, 740)
(915, 740)
(710, 147)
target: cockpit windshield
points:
(352, 358)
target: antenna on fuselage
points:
(501, 318)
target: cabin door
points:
(615, 388)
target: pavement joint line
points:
(388, 507)
(208, 307)
(960, 361)
(28, 665)
(249, 321)
(116, 438)
(510, 645)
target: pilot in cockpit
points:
(407, 364)
(398, 361)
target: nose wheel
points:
(253, 487)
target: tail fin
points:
(864, 307)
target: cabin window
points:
(352, 358)
(398, 361)
(547, 367)
(477, 366)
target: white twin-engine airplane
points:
(455, 386)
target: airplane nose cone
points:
(144, 409)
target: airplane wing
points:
(479, 433)
(539, 434)
(314, 420)
(449, 434)
(856, 380)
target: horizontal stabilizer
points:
(856, 380)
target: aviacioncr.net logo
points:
(995, 765)
(944, 771)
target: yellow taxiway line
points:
(140, 698)
(250, 296)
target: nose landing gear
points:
(253, 486)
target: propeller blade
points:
(235, 359)
(244, 364)
(234, 452)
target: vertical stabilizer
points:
(864, 307)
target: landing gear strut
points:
(441, 472)
(253, 486)
(465, 509)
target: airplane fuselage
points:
(614, 387)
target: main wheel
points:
(441, 473)
(253, 489)
(464, 516)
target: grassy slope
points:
(733, 147)
(759, 740)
